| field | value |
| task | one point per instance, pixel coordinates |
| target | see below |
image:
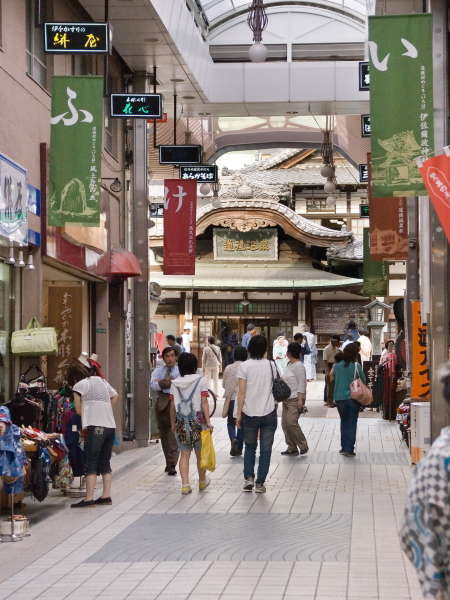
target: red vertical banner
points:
(180, 212)
(436, 175)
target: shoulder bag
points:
(359, 390)
(280, 389)
(34, 340)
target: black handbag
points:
(280, 389)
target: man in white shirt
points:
(187, 339)
(366, 347)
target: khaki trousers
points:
(293, 434)
(168, 441)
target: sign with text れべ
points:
(136, 105)
(76, 38)
(233, 245)
(180, 213)
(13, 201)
(75, 151)
(436, 175)
(401, 102)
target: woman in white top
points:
(310, 359)
(256, 412)
(279, 353)
(230, 385)
(212, 364)
(295, 377)
(94, 398)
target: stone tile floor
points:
(325, 530)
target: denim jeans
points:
(349, 412)
(233, 433)
(266, 427)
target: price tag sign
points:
(366, 127)
(76, 38)
(201, 173)
(136, 106)
(363, 173)
(364, 77)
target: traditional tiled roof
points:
(353, 252)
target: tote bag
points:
(359, 390)
(34, 340)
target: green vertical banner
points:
(375, 272)
(75, 151)
(401, 102)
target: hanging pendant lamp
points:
(257, 21)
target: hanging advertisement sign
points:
(201, 173)
(401, 102)
(180, 212)
(136, 105)
(363, 173)
(420, 373)
(76, 38)
(75, 151)
(364, 76)
(375, 272)
(366, 128)
(436, 175)
(13, 201)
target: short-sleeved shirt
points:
(329, 352)
(259, 400)
(96, 409)
(295, 376)
(182, 387)
(343, 376)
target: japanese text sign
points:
(363, 173)
(201, 173)
(74, 38)
(75, 151)
(364, 76)
(13, 201)
(420, 379)
(136, 105)
(401, 102)
(366, 129)
(180, 208)
(375, 272)
(436, 175)
(245, 246)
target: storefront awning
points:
(255, 277)
(119, 263)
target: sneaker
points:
(234, 449)
(202, 485)
(248, 484)
(186, 489)
(83, 504)
(348, 454)
(105, 501)
(290, 453)
(170, 470)
(260, 488)
(304, 451)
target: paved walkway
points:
(325, 530)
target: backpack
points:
(187, 427)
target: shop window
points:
(36, 58)
(156, 210)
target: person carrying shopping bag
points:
(189, 412)
(212, 364)
(343, 374)
(295, 377)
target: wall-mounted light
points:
(30, 263)
(116, 185)
(11, 260)
(20, 261)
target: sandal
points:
(202, 485)
(186, 489)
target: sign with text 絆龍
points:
(364, 76)
(180, 212)
(75, 151)
(401, 102)
(13, 201)
(75, 38)
(436, 175)
(201, 173)
(420, 373)
(136, 105)
(246, 246)
(375, 272)
(366, 128)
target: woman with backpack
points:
(212, 364)
(189, 415)
(343, 373)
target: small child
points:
(189, 415)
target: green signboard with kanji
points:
(375, 272)
(75, 151)
(401, 102)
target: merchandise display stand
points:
(14, 536)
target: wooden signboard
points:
(65, 313)
(332, 317)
